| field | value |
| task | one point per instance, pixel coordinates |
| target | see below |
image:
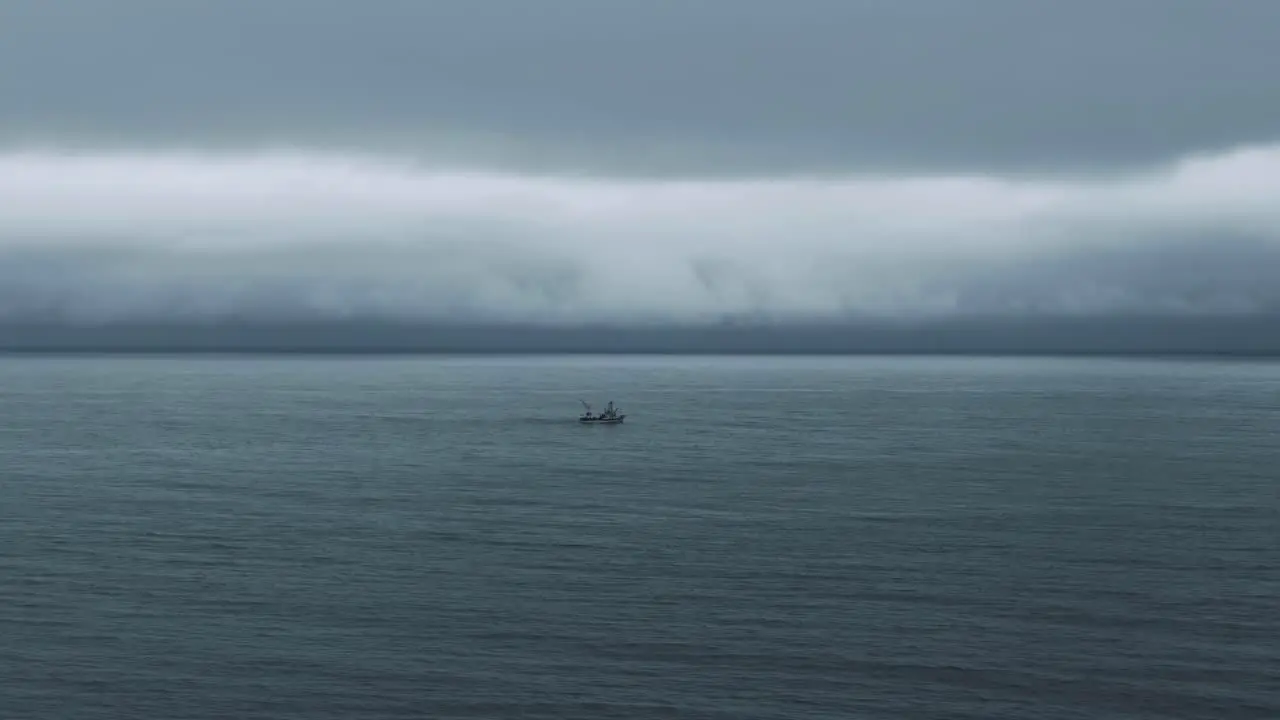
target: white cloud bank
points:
(154, 235)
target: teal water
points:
(764, 538)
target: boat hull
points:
(606, 421)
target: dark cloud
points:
(705, 87)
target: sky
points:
(631, 163)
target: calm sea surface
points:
(764, 538)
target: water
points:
(764, 538)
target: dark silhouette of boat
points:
(609, 416)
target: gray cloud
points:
(664, 86)
(324, 236)
(1003, 166)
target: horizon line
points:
(118, 351)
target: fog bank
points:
(295, 235)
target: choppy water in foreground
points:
(764, 538)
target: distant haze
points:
(630, 165)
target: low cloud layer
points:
(299, 235)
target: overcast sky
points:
(700, 157)
(684, 85)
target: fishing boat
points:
(608, 416)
